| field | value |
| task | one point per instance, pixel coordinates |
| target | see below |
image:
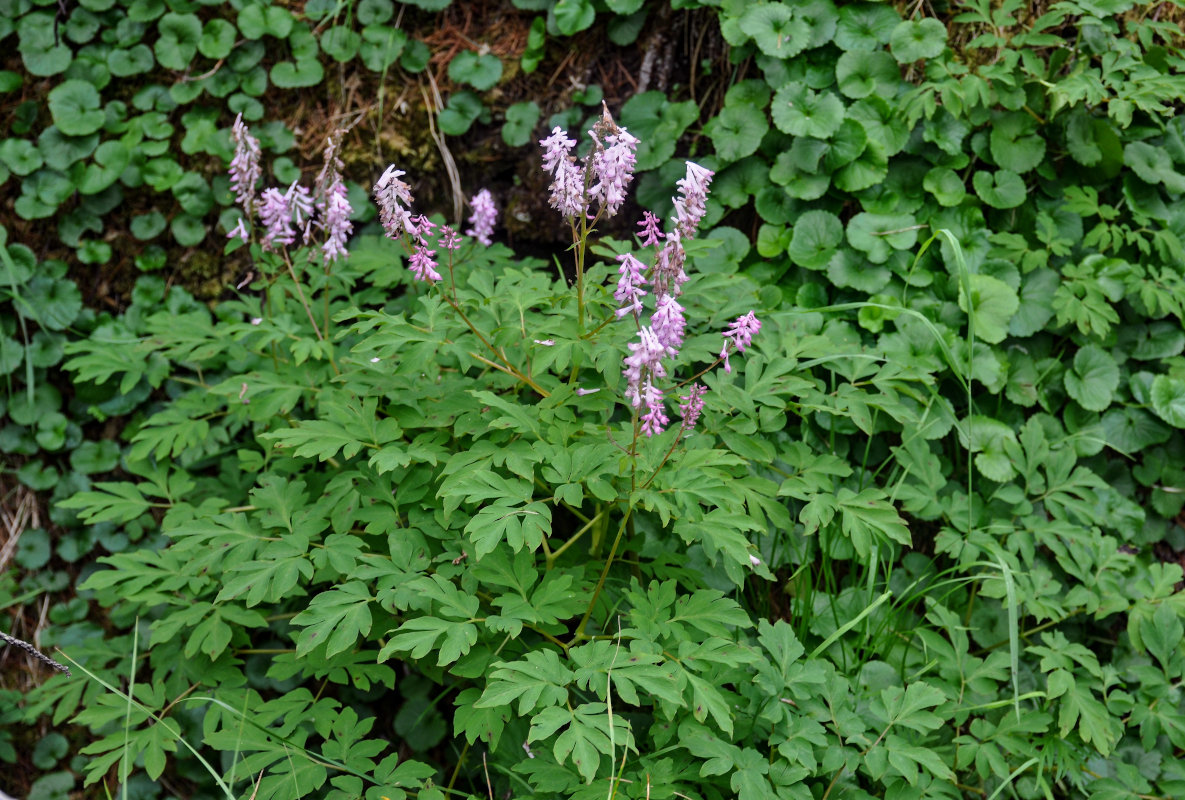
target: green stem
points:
(551, 559)
(604, 574)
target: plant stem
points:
(604, 574)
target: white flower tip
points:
(583, 392)
(546, 342)
(256, 320)
(755, 561)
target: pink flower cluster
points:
(485, 214)
(395, 200)
(283, 214)
(606, 173)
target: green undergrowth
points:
(923, 543)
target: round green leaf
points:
(193, 194)
(74, 106)
(1168, 399)
(946, 186)
(1016, 143)
(1149, 162)
(851, 270)
(180, 35)
(57, 301)
(94, 252)
(188, 231)
(737, 131)
(914, 40)
(990, 439)
(218, 39)
(817, 234)
(865, 26)
(256, 20)
(861, 73)
(521, 119)
(145, 10)
(877, 235)
(482, 72)
(1093, 380)
(32, 552)
(573, 16)
(1004, 189)
(775, 205)
(46, 349)
(776, 29)
(134, 60)
(95, 456)
(40, 477)
(1157, 341)
(21, 156)
(374, 12)
(381, 46)
(52, 748)
(820, 17)
(340, 43)
(800, 111)
(82, 26)
(993, 303)
(1130, 430)
(1036, 302)
(12, 355)
(148, 226)
(285, 170)
(415, 56)
(294, 75)
(459, 113)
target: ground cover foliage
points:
(922, 542)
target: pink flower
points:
(668, 324)
(655, 418)
(692, 405)
(276, 216)
(668, 274)
(629, 286)
(484, 216)
(244, 167)
(644, 361)
(448, 238)
(423, 265)
(335, 218)
(239, 231)
(650, 233)
(693, 194)
(300, 204)
(611, 163)
(394, 201)
(740, 335)
(567, 186)
(333, 205)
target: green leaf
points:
(992, 305)
(418, 638)
(298, 74)
(1016, 143)
(459, 113)
(877, 235)
(218, 38)
(20, 155)
(991, 440)
(57, 302)
(256, 20)
(112, 502)
(1094, 378)
(865, 26)
(180, 35)
(1036, 302)
(520, 526)
(868, 519)
(337, 617)
(482, 72)
(1168, 399)
(74, 105)
(539, 680)
(737, 131)
(800, 111)
(1003, 189)
(573, 16)
(775, 29)
(521, 119)
(381, 46)
(134, 60)
(817, 235)
(862, 73)
(341, 43)
(148, 226)
(1162, 633)
(913, 41)
(946, 186)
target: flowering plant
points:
(454, 461)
